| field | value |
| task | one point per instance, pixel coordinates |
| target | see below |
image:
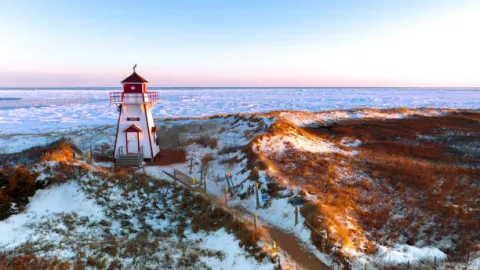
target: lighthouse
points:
(136, 138)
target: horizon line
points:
(53, 87)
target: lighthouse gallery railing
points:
(134, 98)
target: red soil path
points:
(167, 157)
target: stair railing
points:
(119, 152)
(140, 154)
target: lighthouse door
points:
(132, 142)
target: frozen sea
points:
(28, 110)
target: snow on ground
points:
(63, 198)
(474, 264)
(84, 137)
(91, 216)
(41, 116)
(404, 254)
(236, 132)
(232, 131)
(280, 143)
(235, 257)
(325, 117)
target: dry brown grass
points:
(60, 151)
(206, 141)
(434, 185)
(206, 159)
(31, 262)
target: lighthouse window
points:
(133, 118)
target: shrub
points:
(30, 261)
(4, 198)
(21, 184)
(207, 141)
(61, 150)
(206, 159)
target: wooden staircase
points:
(129, 160)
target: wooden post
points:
(201, 174)
(256, 195)
(231, 182)
(228, 182)
(175, 175)
(274, 251)
(91, 152)
(226, 196)
(144, 172)
(326, 242)
(205, 184)
(102, 150)
(73, 154)
(191, 164)
(296, 215)
(255, 222)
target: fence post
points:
(228, 182)
(201, 174)
(296, 215)
(191, 164)
(175, 175)
(226, 196)
(205, 184)
(102, 150)
(326, 241)
(144, 172)
(230, 179)
(73, 154)
(91, 149)
(274, 251)
(256, 195)
(255, 222)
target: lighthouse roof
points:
(134, 78)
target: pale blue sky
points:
(241, 43)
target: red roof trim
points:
(134, 78)
(133, 128)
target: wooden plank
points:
(176, 179)
(183, 177)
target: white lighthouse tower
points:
(136, 138)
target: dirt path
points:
(293, 248)
(285, 241)
(290, 245)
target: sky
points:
(423, 43)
